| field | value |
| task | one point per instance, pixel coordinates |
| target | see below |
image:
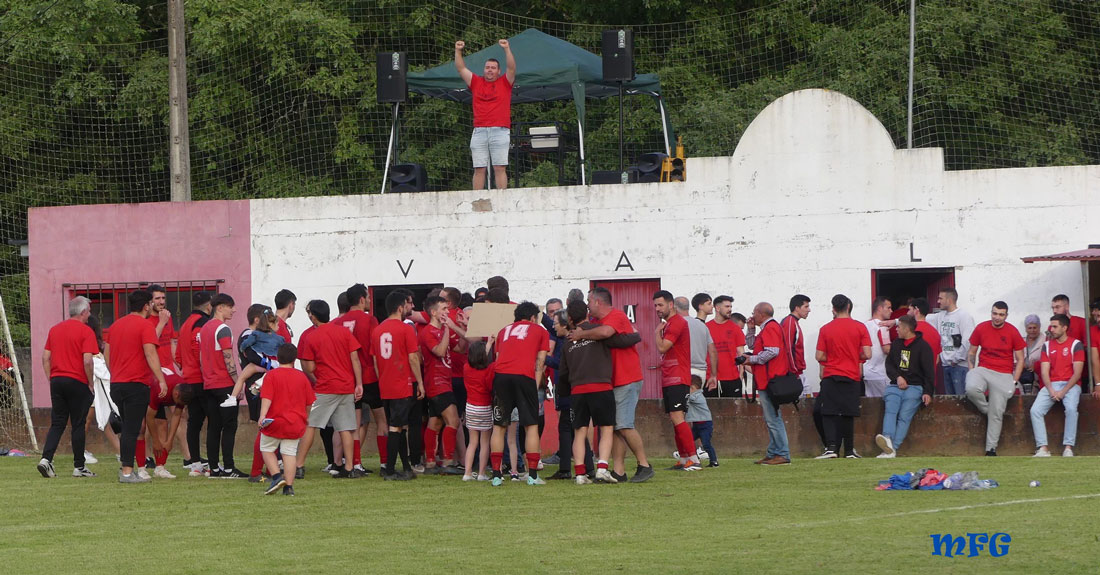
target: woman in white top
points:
(1032, 353)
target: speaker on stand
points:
(392, 87)
(618, 66)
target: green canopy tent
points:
(547, 69)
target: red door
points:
(635, 298)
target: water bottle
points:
(954, 482)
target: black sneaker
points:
(150, 463)
(300, 473)
(288, 490)
(341, 473)
(234, 474)
(560, 474)
(433, 470)
(991, 453)
(853, 455)
(255, 478)
(713, 463)
(397, 476)
(642, 474)
(216, 474)
(356, 474)
(451, 470)
(620, 478)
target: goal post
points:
(16, 427)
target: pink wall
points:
(131, 243)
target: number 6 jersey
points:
(392, 342)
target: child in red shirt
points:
(285, 398)
(478, 377)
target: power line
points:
(33, 21)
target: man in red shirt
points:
(1000, 362)
(1094, 343)
(397, 361)
(1062, 365)
(435, 346)
(792, 337)
(131, 356)
(161, 319)
(920, 309)
(1077, 324)
(492, 103)
(626, 381)
(842, 346)
(361, 323)
(67, 360)
(730, 342)
(674, 344)
(521, 349)
(331, 355)
(770, 359)
(187, 357)
(219, 382)
(285, 302)
(284, 411)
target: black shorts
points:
(515, 392)
(161, 413)
(676, 398)
(598, 407)
(839, 396)
(459, 387)
(372, 397)
(729, 388)
(397, 411)
(438, 404)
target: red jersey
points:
(283, 330)
(1061, 357)
(727, 338)
(842, 340)
(458, 359)
(127, 338)
(305, 335)
(392, 342)
(997, 345)
(164, 342)
(932, 336)
(676, 362)
(437, 370)
(329, 347)
(771, 335)
(1095, 336)
(626, 366)
(187, 346)
(67, 343)
(479, 385)
(215, 337)
(492, 102)
(291, 395)
(361, 324)
(171, 380)
(518, 346)
(793, 342)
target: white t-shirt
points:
(874, 369)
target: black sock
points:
(393, 448)
(847, 430)
(403, 443)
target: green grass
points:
(821, 516)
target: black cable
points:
(33, 20)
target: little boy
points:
(285, 398)
(698, 415)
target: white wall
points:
(814, 197)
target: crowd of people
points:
(445, 403)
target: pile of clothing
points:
(932, 480)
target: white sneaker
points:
(142, 473)
(604, 476)
(82, 472)
(89, 459)
(467, 477)
(46, 468)
(1067, 452)
(702, 453)
(1042, 452)
(485, 477)
(161, 473)
(886, 455)
(827, 455)
(676, 455)
(583, 479)
(884, 443)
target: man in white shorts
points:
(492, 103)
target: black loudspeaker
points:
(618, 55)
(606, 177)
(408, 178)
(649, 167)
(392, 67)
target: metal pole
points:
(18, 373)
(621, 130)
(580, 133)
(389, 151)
(912, 52)
(664, 124)
(179, 147)
(1088, 332)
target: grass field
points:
(813, 516)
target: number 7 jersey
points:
(392, 342)
(518, 346)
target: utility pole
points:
(179, 141)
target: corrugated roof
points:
(1092, 253)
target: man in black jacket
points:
(911, 369)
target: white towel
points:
(104, 405)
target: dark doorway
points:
(902, 284)
(378, 297)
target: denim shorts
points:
(490, 144)
(626, 403)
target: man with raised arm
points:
(492, 102)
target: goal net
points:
(16, 428)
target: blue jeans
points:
(954, 379)
(777, 431)
(901, 405)
(703, 430)
(1042, 405)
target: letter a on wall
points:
(624, 262)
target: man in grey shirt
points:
(955, 327)
(702, 345)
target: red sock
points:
(449, 435)
(161, 456)
(684, 443)
(139, 453)
(430, 436)
(579, 469)
(601, 465)
(533, 463)
(496, 458)
(257, 458)
(382, 449)
(357, 453)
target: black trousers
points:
(726, 388)
(221, 428)
(70, 400)
(840, 429)
(819, 423)
(132, 400)
(196, 416)
(565, 438)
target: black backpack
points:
(784, 389)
